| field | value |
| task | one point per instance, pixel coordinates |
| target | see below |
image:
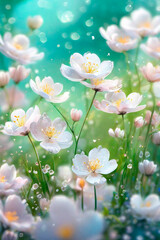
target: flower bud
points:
(18, 74)
(138, 122)
(155, 118)
(8, 235)
(147, 167)
(35, 22)
(76, 114)
(117, 133)
(81, 182)
(44, 204)
(156, 138)
(4, 78)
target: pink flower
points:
(155, 118)
(4, 78)
(19, 73)
(139, 122)
(151, 73)
(76, 114)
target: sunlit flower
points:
(35, 22)
(156, 138)
(103, 85)
(85, 67)
(8, 235)
(5, 143)
(146, 208)
(147, 167)
(18, 48)
(76, 114)
(151, 73)
(19, 73)
(139, 122)
(155, 118)
(13, 214)
(141, 22)
(21, 121)
(12, 98)
(51, 134)
(66, 222)
(49, 90)
(118, 103)
(92, 166)
(118, 39)
(4, 78)
(117, 133)
(152, 47)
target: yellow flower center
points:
(51, 132)
(65, 232)
(93, 165)
(97, 82)
(11, 216)
(20, 121)
(145, 25)
(2, 179)
(123, 40)
(47, 88)
(90, 67)
(118, 102)
(18, 46)
(147, 204)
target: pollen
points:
(2, 179)
(11, 216)
(94, 165)
(97, 81)
(145, 25)
(123, 40)
(118, 102)
(51, 132)
(18, 46)
(90, 67)
(47, 88)
(147, 204)
(19, 121)
(65, 232)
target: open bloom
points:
(151, 73)
(66, 222)
(13, 214)
(21, 121)
(49, 90)
(92, 166)
(118, 103)
(141, 22)
(35, 22)
(18, 48)
(4, 78)
(19, 73)
(147, 167)
(51, 134)
(152, 47)
(118, 39)
(9, 182)
(87, 66)
(117, 133)
(146, 208)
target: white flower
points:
(19, 73)
(76, 114)
(146, 208)
(141, 22)
(139, 122)
(4, 78)
(51, 134)
(64, 173)
(14, 214)
(66, 222)
(92, 166)
(156, 138)
(152, 47)
(118, 133)
(118, 39)
(156, 89)
(49, 90)
(9, 182)
(35, 22)
(151, 73)
(18, 48)
(147, 167)
(85, 67)
(118, 103)
(21, 121)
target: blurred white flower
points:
(118, 103)
(141, 22)
(44, 204)
(118, 133)
(155, 118)
(147, 168)
(13, 214)
(51, 134)
(5, 143)
(151, 73)
(49, 90)
(66, 222)
(118, 39)
(152, 47)
(85, 67)
(18, 48)
(156, 138)
(21, 121)
(9, 182)
(92, 166)
(139, 122)
(156, 89)
(8, 235)
(146, 208)
(4, 78)
(19, 73)
(35, 22)
(76, 114)
(64, 173)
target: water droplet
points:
(75, 36)
(65, 17)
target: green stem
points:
(84, 121)
(95, 198)
(82, 200)
(44, 183)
